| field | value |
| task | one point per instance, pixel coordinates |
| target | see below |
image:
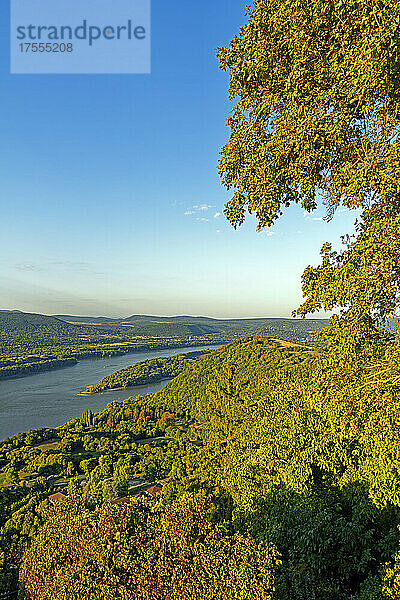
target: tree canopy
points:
(136, 551)
(317, 118)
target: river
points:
(51, 398)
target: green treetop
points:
(317, 117)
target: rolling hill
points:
(251, 361)
(184, 325)
(17, 322)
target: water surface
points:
(51, 398)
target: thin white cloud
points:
(307, 217)
(217, 214)
(198, 209)
(27, 267)
(202, 206)
(218, 231)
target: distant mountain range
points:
(189, 325)
(18, 322)
(178, 319)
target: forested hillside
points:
(255, 359)
(119, 451)
(20, 323)
(294, 448)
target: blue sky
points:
(110, 197)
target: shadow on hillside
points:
(332, 542)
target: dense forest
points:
(126, 447)
(289, 446)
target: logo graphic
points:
(80, 36)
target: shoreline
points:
(131, 387)
(58, 368)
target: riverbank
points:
(126, 389)
(35, 368)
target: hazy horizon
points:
(163, 316)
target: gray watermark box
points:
(80, 36)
